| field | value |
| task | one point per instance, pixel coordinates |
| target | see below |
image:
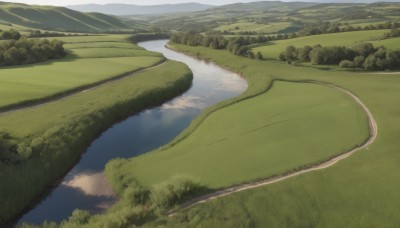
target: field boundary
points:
(373, 132)
(81, 89)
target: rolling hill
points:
(264, 6)
(127, 9)
(60, 18)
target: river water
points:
(85, 186)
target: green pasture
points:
(271, 50)
(255, 27)
(392, 43)
(112, 53)
(32, 82)
(273, 133)
(125, 45)
(360, 191)
(95, 38)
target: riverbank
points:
(58, 140)
(360, 185)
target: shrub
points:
(167, 194)
(136, 195)
(346, 64)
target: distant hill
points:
(59, 18)
(352, 1)
(126, 9)
(265, 6)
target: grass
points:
(361, 191)
(116, 52)
(270, 134)
(392, 43)
(86, 66)
(124, 45)
(51, 137)
(255, 27)
(271, 50)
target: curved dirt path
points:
(228, 191)
(73, 92)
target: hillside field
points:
(271, 50)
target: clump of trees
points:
(10, 35)
(392, 33)
(363, 55)
(38, 33)
(236, 45)
(27, 51)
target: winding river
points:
(85, 186)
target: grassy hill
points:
(264, 6)
(128, 9)
(60, 19)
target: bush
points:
(79, 217)
(346, 64)
(136, 195)
(173, 191)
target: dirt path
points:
(84, 89)
(228, 191)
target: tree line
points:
(147, 36)
(235, 45)
(363, 55)
(27, 51)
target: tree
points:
(251, 55)
(259, 56)
(365, 49)
(359, 61)
(370, 63)
(290, 54)
(303, 54)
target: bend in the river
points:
(85, 186)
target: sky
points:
(136, 2)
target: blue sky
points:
(136, 2)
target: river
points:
(85, 186)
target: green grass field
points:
(271, 50)
(85, 66)
(255, 27)
(361, 191)
(393, 43)
(271, 134)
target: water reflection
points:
(85, 187)
(94, 184)
(185, 102)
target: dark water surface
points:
(85, 187)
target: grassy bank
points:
(361, 191)
(49, 139)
